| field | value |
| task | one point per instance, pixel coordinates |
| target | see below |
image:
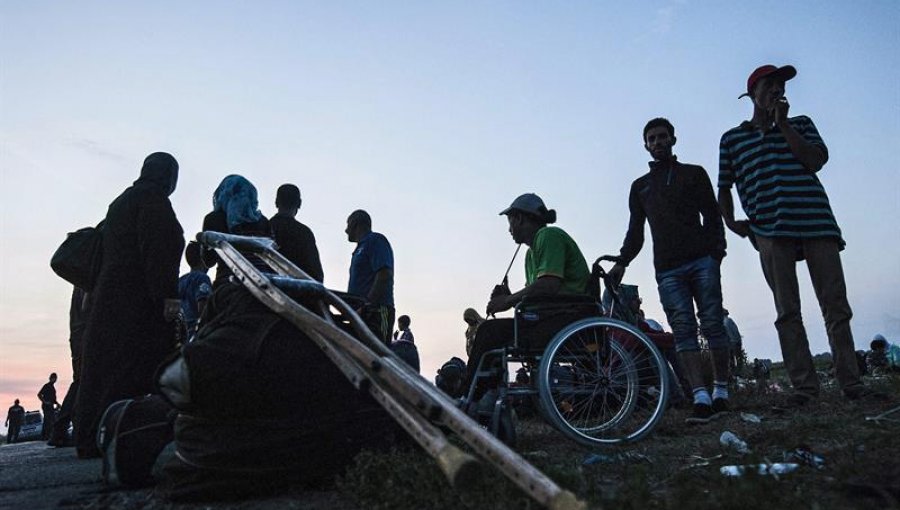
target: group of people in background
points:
(140, 310)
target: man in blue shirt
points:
(372, 274)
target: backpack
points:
(132, 434)
(78, 258)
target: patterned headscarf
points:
(236, 196)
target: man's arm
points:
(726, 181)
(809, 154)
(309, 253)
(544, 286)
(634, 237)
(379, 286)
(712, 218)
(726, 206)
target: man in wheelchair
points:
(555, 270)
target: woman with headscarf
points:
(129, 330)
(235, 211)
(473, 319)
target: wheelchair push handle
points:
(608, 258)
(600, 272)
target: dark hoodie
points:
(674, 197)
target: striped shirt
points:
(780, 196)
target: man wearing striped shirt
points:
(773, 159)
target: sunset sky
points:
(433, 117)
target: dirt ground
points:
(675, 468)
(678, 467)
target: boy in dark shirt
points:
(194, 288)
(295, 240)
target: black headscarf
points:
(160, 170)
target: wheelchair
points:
(594, 377)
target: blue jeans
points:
(697, 281)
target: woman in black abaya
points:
(129, 331)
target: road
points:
(35, 476)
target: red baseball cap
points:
(785, 72)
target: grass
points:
(862, 467)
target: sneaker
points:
(720, 407)
(702, 414)
(792, 402)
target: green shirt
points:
(554, 253)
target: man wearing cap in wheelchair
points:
(555, 271)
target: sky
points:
(432, 116)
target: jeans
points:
(697, 281)
(779, 262)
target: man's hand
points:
(616, 274)
(171, 309)
(740, 227)
(498, 304)
(780, 110)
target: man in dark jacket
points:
(47, 395)
(295, 240)
(687, 252)
(129, 331)
(14, 419)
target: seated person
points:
(554, 266)
(883, 357)
(632, 313)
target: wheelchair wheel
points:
(602, 381)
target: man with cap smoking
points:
(773, 161)
(553, 265)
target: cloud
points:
(94, 148)
(664, 18)
(662, 23)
